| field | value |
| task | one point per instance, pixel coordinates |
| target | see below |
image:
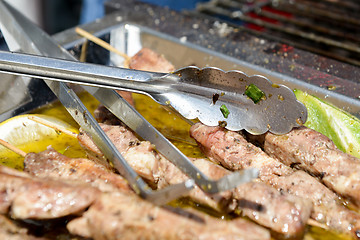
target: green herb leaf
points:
(224, 110)
(254, 93)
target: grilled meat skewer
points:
(123, 216)
(282, 213)
(52, 164)
(233, 151)
(125, 213)
(315, 153)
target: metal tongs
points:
(32, 39)
(232, 99)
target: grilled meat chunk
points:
(142, 156)
(122, 216)
(284, 214)
(148, 60)
(234, 152)
(127, 144)
(52, 164)
(317, 154)
(257, 201)
(28, 197)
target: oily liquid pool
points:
(67, 145)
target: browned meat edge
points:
(148, 60)
(315, 153)
(233, 151)
(123, 216)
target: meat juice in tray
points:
(178, 131)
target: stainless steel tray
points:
(130, 38)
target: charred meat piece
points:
(234, 152)
(103, 115)
(52, 164)
(148, 60)
(26, 197)
(317, 154)
(122, 216)
(257, 201)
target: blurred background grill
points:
(326, 27)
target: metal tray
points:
(130, 38)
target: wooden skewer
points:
(83, 51)
(52, 125)
(12, 148)
(103, 44)
(314, 223)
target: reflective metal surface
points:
(194, 93)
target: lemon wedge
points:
(341, 127)
(31, 136)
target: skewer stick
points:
(12, 148)
(314, 223)
(53, 126)
(103, 44)
(83, 51)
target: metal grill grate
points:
(327, 27)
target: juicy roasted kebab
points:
(51, 164)
(233, 151)
(315, 153)
(283, 213)
(126, 214)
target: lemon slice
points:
(341, 127)
(31, 136)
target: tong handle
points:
(83, 73)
